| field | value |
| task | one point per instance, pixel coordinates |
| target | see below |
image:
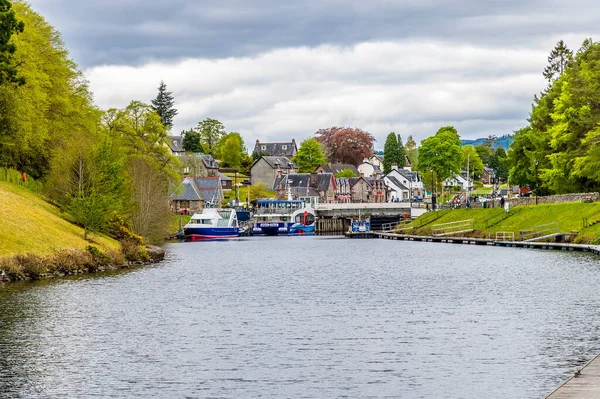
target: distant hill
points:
(504, 141)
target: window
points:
(223, 183)
(263, 147)
(284, 147)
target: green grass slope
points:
(30, 225)
(569, 217)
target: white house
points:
(459, 180)
(404, 184)
(368, 169)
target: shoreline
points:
(72, 262)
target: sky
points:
(275, 70)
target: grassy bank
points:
(30, 225)
(583, 218)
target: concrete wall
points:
(556, 199)
(262, 172)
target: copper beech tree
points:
(348, 145)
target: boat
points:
(303, 222)
(283, 217)
(212, 224)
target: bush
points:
(99, 259)
(134, 252)
(69, 261)
(32, 265)
(12, 269)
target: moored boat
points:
(212, 224)
(278, 217)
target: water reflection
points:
(307, 317)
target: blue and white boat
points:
(212, 224)
(282, 217)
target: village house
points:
(404, 184)
(369, 169)
(460, 181)
(314, 188)
(264, 170)
(195, 193)
(336, 168)
(288, 149)
(360, 189)
(175, 144)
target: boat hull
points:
(270, 228)
(298, 228)
(210, 233)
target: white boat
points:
(283, 217)
(211, 224)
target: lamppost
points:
(535, 163)
(432, 194)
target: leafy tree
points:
(346, 173)
(558, 60)
(211, 132)
(471, 158)
(232, 150)
(309, 156)
(192, 141)
(345, 144)
(485, 153)
(256, 155)
(390, 151)
(9, 25)
(412, 153)
(498, 164)
(441, 154)
(163, 105)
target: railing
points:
(505, 236)
(450, 228)
(428, 218)
(542, 230)
(585, 222)
(395, 226)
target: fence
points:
(536, 232)
(505, 236)
(451, 228)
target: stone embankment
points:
(556, 199)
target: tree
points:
(485, 153)
(345, 144)
(9, 26)
(412, 153)
(163, 105)
(232, 150)
(401, 153)
(309, 156)
(498, 164)
(390, 152)
(471, 158)
(441, 153)
(211, 132)
(192, 141)
(346, 173)
(558, 60)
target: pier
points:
(585, 384)
(595, 249)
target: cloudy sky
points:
(275, 70)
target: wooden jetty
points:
(360, 234)
(585, 384)
(489, 241)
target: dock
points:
(360, 234)
(490, 241)
(585, 384)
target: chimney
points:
(362, 174)
(313, 179)
(394, 166)
(279, 173)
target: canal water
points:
(307, 317)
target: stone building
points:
(264, 170)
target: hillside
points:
(504, 142)
(30, 225)
(569, 218)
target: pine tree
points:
(390, 152)
(558, 60)
(8, 26)
(401, 161)
(163, 105)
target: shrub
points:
(32, 265)
(134, 252)
(12, 269)
(99, 259)
(69, 261)
(116, 257)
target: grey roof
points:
(175, 143)
(278, 162)
(319, 181)
(200, 189)
(410, 175)
(209, 161)
(276, 149)
(397, 183)
(338, 167)
(354, 180)
(225, 177)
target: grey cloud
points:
(133, 31)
